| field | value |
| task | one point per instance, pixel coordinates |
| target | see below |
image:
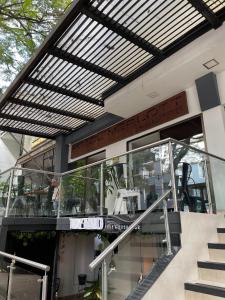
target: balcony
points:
(122, 185)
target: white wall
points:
(76, 251)
(9, 152)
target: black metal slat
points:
(51, 109)
(26, 132)
(201, 6)
(85, 64)
(35, 122)
(168, 51)
(116, 27)
(63, 91)
(40, 115)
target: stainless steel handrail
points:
(165, 141)
(123, 235)
(30, 170)
(26, 261)
(152, 145)
(196, 149)
(159, 143)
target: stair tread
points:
(204, 288)
(214, 265)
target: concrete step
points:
(221, 235)
(211, 271)
(201, 291)
(217, 251)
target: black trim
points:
(205, 289)
(211, 265)
(219, 246)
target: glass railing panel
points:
(136, 257)
(26, 285)
(81, 192)
(191, 179)
(4, 191)
(133, 182)
(216, 174)
(4, 275)
(34, 194)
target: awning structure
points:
(99, 47)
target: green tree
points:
(23, 26)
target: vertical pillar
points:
(61, 155)
(213, 116)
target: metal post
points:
(172, 171)
(9, 193)
(167, 228)
(60, 197)
(11, 268)
(44, 287)
(101, 190)
(104, 280)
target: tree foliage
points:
(23, 26)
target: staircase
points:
(211, 283)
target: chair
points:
(194, 203)
(127, 199)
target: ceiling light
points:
(153, 95)
(211, 64)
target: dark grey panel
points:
(61, 154)
(221, 230)
(208, 93)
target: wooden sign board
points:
(163, 112)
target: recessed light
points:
(153, 95)
(211, 64)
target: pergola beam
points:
(35, 122)
(203, 9)
(84, 64)
(63, 91)
(119, 29)
(26, 132)
(50, 109)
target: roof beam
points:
(85, 64)
(119, 29)
(50, 109)
(35, 122)
(63, 91)
(203, 8)
(26, 132)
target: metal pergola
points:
(99, 47)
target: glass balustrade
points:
(4, 277)
(22, 279)
(135, 258)
(25, 285)
(126, 184)
(33, 194)
(4, 191)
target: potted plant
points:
(93, 292)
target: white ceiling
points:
(173, 75)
